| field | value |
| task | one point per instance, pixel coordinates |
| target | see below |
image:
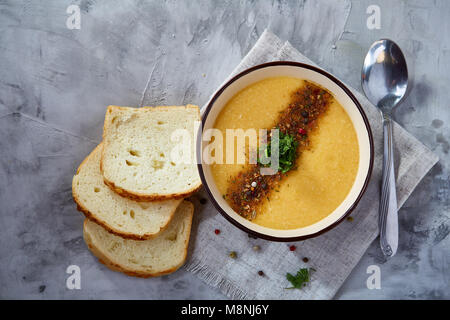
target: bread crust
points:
(91, 216)
(108, 261)
(138, 196)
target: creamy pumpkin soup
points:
(318, 154)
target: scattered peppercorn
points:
(256, 248)
(350, 219)
(233, 254)
(217, 231)
(261, 273)
(203, 200)
(305, 259)
(292, 248)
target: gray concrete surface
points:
(56, 82)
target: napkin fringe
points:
(215, 280)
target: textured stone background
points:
(56, 82)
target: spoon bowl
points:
(384, 75)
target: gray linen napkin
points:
(333, 254)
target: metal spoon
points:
(384, 79)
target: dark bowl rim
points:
(199, 152)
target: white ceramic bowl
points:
(348, 102)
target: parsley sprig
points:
(300, 279)
(287, 152)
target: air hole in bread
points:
(157, 164)
(162, 155)
(124, 212)
(131, 163)
(132, 214)
(172, 163)
(96, 189)
(113, 119)
(114, 246)
(172, 236)
(144, 205)
(160, 122)
(134, 153)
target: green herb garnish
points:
(300, 279)
(287, 152)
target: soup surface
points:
(325, 171)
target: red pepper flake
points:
(217, 231)
(292, 248)
(301, 131)
(261, 273)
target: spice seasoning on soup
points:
(249, 188)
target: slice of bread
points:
(137, 160)
(161, 255)
(121, 216)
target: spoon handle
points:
(388, 219)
